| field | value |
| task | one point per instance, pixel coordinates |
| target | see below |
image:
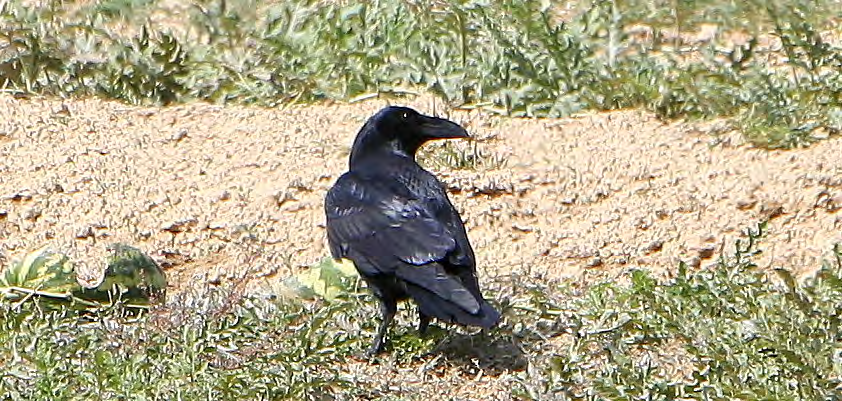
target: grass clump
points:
(771, 68)
(218, 346)
(732, 332)
(460, 156)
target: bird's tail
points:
(444, 310)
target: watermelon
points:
(44, 272)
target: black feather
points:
(393, 219)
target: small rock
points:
(179, 226)
(595, 262)
(654, 246)
(746, 204)
(55, 188)
(662, 214)
(694, 262)
(770, 210)
(216, 225)
(214, 278)
(828, 202)
(84, 233)
(706, 252)
(522, 228)
(32, 214)
(282, 197)
(568, 200)
(24, 195)
(172, 257)
(178, 136)
(299, 185)
(642, 224)
(835, 203)
(527, 178)
(64, 111)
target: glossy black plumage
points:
(393, 219)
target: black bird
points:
(393, 219)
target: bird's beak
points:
(440, 128)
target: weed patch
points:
(771, 69)
(193, 349)
(732, 332)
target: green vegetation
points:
(214, 346)
(773, 69)
(732, 332)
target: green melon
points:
(131, 276)
(44, 272)
(328, 279)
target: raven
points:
(393, 219)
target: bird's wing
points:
(386, 231)
(382, 224)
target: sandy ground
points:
(217, 193)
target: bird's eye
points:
(405, 115)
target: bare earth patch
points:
(217, 194)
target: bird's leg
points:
(423, 322)
(388, 308)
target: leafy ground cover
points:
(770, 68)
(733, 332)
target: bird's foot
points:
(423, 324)
(377, 347)
(372, 353)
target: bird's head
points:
(402, 130)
